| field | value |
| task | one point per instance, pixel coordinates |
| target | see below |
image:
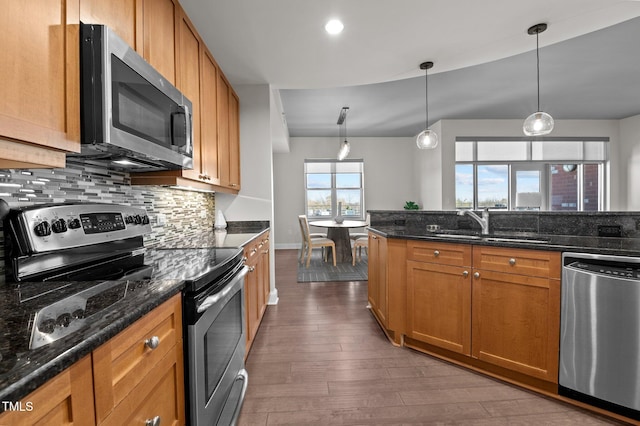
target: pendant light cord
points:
(538, 67)
(426, 96)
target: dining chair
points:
(310, 243)
(358, 245)
(355, 235)
(303, 248)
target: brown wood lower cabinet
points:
(256, 285)
(439, 305)
(67, 399)
(130, 367)
(127, 380)
(516, 323)
(495, 309)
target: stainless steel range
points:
(83, 258)
(86, 254)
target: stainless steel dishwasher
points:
(600, 331)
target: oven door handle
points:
(212, 300)
(244, 376)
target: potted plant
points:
(410, 205)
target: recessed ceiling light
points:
(334, 26)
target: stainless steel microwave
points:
(131, 116)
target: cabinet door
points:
(377, 252)
(66, 399)
(516, 322)
(122, 16)
(373, 285)
(209, 171)
(159, 396)
(188, 81)
(40, 74)
(224, 146)
(234, 140)
(439, 305)
(160, 19)
(125, 361)
(252, 301)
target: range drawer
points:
(123, 362)
(438, 252)
(535, 263)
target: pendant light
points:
(427, 139)
(539, 123)
(345, 147)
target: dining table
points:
(339, 233)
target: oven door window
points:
(141, 109)
(220, 342)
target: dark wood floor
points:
(320, 358)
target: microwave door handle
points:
(188, 141)
(187, 118)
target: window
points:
(329, 182)
(518, 174)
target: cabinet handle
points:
(244, 259)
(252, 268)
(476, 275)
(153, 422)
(436, 253)
(512, 261)
(254, 250)
(465, 274)
(374, 237)
(152, 342)
(234, 184)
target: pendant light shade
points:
(539, 123)
(426, 139)
(345, 147)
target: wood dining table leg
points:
(340, 237)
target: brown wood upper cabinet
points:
(122, 16)
(216, 142)
(39, 97)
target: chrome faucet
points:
(483, 221)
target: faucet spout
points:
(483, 221)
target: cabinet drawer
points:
(535, 263)
(438, 252)
(124, 361)
(159, 395)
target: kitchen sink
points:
(514, 240)
(460, 236)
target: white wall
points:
(255, 200)
(436, 168)
(388, 177)
(629, 163)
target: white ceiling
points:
(478, 47)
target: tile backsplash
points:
(188, 214)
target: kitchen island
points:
(488, 302)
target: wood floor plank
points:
(319, 358)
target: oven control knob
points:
(145, 220)
(78, 314)
(74, 223)
(128, 219)
(59, 225)
(137, 219)
(47, 326)
(42, 229)
(64, 320)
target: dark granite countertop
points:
(563, 243)
(23, 370)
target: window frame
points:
(334, 170)
(472, 152)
